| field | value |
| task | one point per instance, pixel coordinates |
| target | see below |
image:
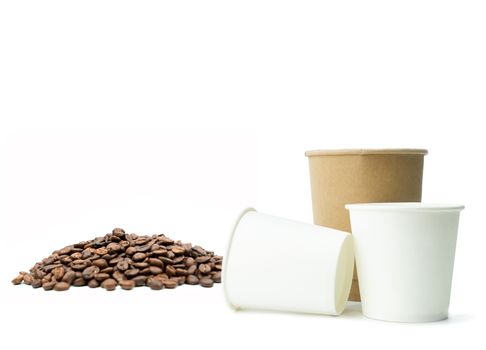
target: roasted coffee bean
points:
(170, 284)
(139, 256)
(204, 268)
(191, 279)
(93, 283)
(155, 284)
(216, 276)
(170, 270)
(192, 270)
(127, 259)
(127, 284)
(190, 261)
(178, 250)
(61, 286)
(130, 251)
(107, 270)
(19, 279)
(131, 273)
(79, 282)
(116, 260)
(118, 232)
(28, 279)
(181, 272)
(113, 247)
(79, 264)
(155, 262)
(48, 285)
(109, 284)
(140, 265)
(139, 280)
(118, 276)
(90, 272)
(155, 270)
(101, 263)
(202, 259)
(100, 277)
(166, 260)
(69, 277)
(36, 283)
(206, 282)
(122, 265)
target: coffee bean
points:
(216, 277)
(36, 283)
(155, 262)
(101, 263)
(154, 270)
(79, 264)
(190, 261)
(192, 270)
(113, 247)
(90, 272)
(49, 285)
(170, 270)
(204, 268)
(191, 279)
(131, 273)
(170, 284)
(140, 265)
(155, 284)
(178, 250)
(206, 282)
(28, 279)
(139, 280)
(109, 284)
(202, 259)
(19, 279)
(100, 277)
(181, 272)
(79, 282)
(61, 286)
(118, 232)
(69, 277)
(127, 284)
(118, 276)
(139, 256)
(126, 259)
(93, 283)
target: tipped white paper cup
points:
(405, 257)
(284, 265)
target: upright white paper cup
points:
(284, 265)
(405, 257)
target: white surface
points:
(172, 116)
(405, 259)
(279, 264)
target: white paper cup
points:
(284, 265)
(405, 257)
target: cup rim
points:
(228, 249)
(366, 151)
(404, 206)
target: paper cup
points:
(284, 265)
(339, 177)
(405, 257)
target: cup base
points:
(406, 318)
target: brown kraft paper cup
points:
(340, 177)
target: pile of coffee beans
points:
(126, 260)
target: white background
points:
(172, 116)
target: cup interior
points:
(399, 206)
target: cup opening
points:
(409, 206)
(344, 274)
(227, 256)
